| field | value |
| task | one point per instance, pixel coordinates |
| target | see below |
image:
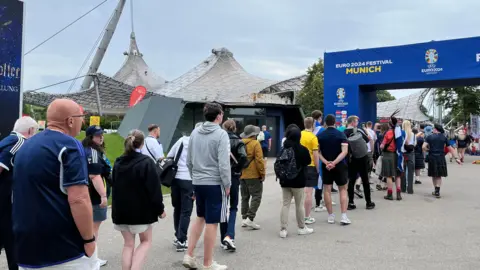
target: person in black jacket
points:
(295, 187)
(137, 200)
(238, 159)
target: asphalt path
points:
(420, 232)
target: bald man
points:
(52, 212)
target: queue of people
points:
(57, 208)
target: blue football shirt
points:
(44, 228)
(268, 136)
(8, 148)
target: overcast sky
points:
(274, 39)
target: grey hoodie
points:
(208, 158)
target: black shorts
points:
(265, 151)
(311, 177)
(339, 174)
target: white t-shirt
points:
(155, 148)
(182, 172)
(373, 137)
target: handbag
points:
(168, 168)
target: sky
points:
(273, 39)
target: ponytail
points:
(133, 141)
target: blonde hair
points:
(461, 135)
(407, 126)
(308, 122)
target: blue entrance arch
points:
(353, 77)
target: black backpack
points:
(238, 157)
(286, 165)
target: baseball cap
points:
(93, 131)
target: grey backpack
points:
(357, 144)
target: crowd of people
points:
(54, 189)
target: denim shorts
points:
(99, 213)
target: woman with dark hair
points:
(137, 200)
(294, 188)
(437, 166)
(98, 171)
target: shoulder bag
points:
(168, 168)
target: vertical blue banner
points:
(11, 36)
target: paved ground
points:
(419, 232)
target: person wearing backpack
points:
(357, 161)
(290, 169)
(253, 175)
(238, 160)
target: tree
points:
(462, 101)
(311, 96)
(384, 95)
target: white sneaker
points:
(244, 222)
(320, 208)
(345, 220)
(189, 262)
(283, 233)
(216, 266)
(252, 224)
(305, 230)
(309, 220)
(102, 262)
(331, 219)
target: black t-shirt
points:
(330, 143)
(437, 143)
(463, 143)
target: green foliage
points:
(384, 95)
(311, 96)
(462, 101)
(114, 149)
(36, 112)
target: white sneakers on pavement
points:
(216, 266)
(345, 220)
(331, 219)
(305, 230)
(189, 262)
(320, 208)
(283, 233)
(309, 220)
(251, 224)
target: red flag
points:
(137, 95)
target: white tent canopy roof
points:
(409, 107)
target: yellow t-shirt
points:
(310, 141)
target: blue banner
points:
(352, 77)
(11, 35)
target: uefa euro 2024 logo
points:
(340, 93)
(431, 57)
